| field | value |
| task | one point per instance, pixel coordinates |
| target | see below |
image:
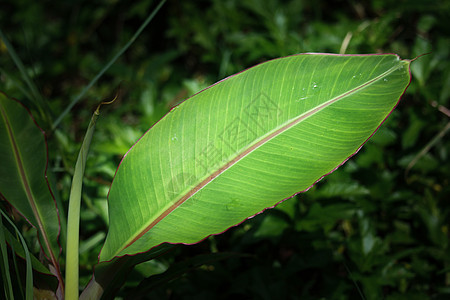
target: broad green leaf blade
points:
(245, 144)
(23, 182)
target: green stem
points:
(73, 221)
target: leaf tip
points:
(418, 56)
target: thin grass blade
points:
(40, 103)
(7, 283)
(108, 65)
(29, 269)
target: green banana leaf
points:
(245, 144)
(23, 179)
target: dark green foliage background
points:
(370, 230)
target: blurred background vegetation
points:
(377, 228)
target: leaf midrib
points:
(269, 136)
